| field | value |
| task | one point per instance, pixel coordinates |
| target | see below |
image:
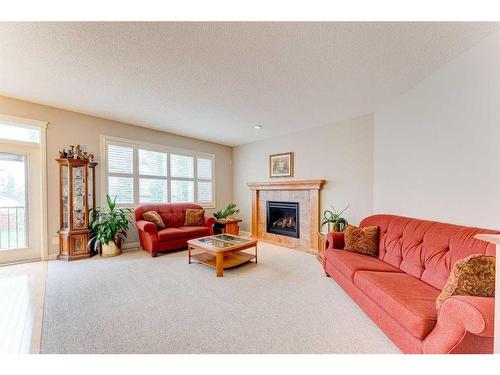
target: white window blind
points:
(152, 163)
(137, 173)
(122, 188)
(120, 159)
(181, 166)
(205, 169)
(182, 191)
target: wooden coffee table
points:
(222, 251)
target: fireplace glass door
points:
(283, 218)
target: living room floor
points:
(137, 304)
(22, 288)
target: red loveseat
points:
(398, 290)
(175, 235)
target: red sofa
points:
(175, 235)
(398, 290)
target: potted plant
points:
(109, 228)
(229, 211)
(336, 223)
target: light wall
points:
(340, 153)
(436, 147)
(66, 128)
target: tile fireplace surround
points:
(306, 193)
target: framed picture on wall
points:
(281, 165)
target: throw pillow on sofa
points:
(155, 218)
(194, 217)
(471, 276)
(361, 240)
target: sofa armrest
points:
(475, 314)
(209, 221)
(146, 226)
(335, 240)
(457, 316)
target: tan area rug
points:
(137, 304)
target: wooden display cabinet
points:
(77, 197)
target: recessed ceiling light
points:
(258, 127)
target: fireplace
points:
(283, 218)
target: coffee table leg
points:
(189, 254)
(255, 253)
(219, 264)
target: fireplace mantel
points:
(306, 192)
(287, 185)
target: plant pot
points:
(110, 250)
(334, 227)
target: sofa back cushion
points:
(172, 214)
(425, 249)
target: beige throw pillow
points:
(471, 276)
(155, 218)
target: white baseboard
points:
(244, 233)
(128, 246)
(131, 246)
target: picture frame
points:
(281, 165)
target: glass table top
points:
(223, 240)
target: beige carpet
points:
(137, 304)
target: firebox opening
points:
(283, 218)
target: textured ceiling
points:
(217, 80)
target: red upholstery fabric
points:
(169, 234)
(146, 226)
(407, 299)
(348, 263)
(176, 235)
(402, 304)
(426, 249)
(195, 231)
(335, 240)
(465, 320)
(405, 341)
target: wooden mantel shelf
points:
(491, 238)
(287, 185)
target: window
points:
(138, 173)
(15, 132)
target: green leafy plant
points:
(108, 225)
(229, 211)
(333, 217)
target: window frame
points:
(136, 176)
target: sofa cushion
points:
(195, 230)
(348, 263)
(471, 276)
(405, 298)
(170, 234)
(361, 240)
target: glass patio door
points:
(13, 215)
(20, 203)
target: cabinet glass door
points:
(79, 197)
(65, 196)
(90, 188)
